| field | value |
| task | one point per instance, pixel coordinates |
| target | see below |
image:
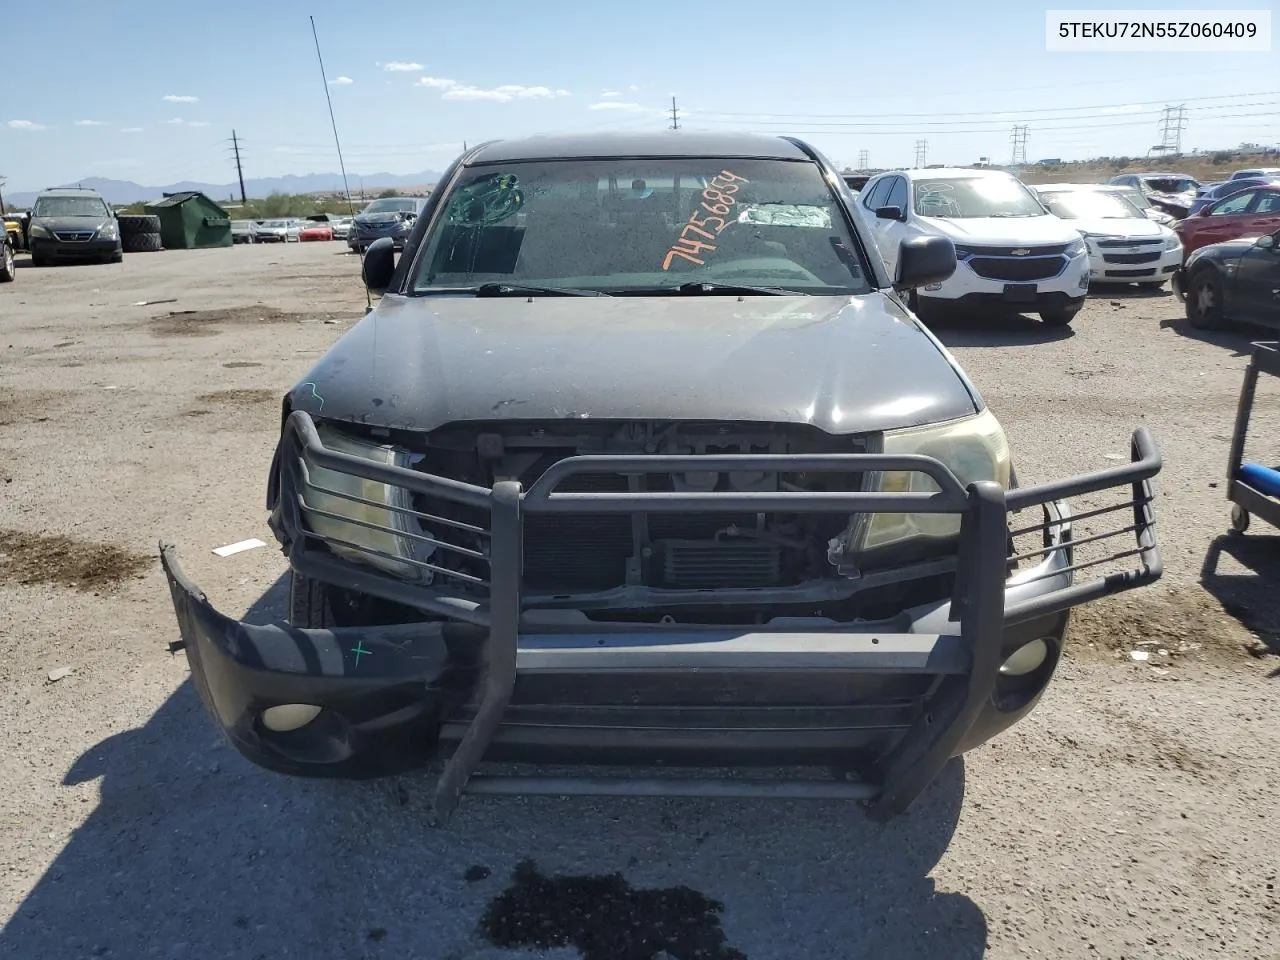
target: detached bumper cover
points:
(892, 700)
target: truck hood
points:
(842, 364)
(1004, 231)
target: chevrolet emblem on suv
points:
(1020, 252)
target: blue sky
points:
(150, 91)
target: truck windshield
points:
(642, 226)
(969, 197)
(69, 207)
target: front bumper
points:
(891, 699)
(1108, 266)
(1071, 280)
(54, 249)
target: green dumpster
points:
(191, 221)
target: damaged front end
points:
(663, 594)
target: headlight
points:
(108, 231)
(973, 449)
(38, 231)
(1171, 242)
(1075, 248)
(378, 504)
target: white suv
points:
(1014, 255)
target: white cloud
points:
(503, 94)
(197, 123)
(399, 66)
(130, 129)
(437, 83)
(633, 88)
(89, 123)
(175, 98)
(621, 105)
(26, 125)
(611, 93)
(340, 81)
(175, 120)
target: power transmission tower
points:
(1172, 122)
(675, 115)
(1019, 139)
(239, 170)
(922, 152)
(863, 159)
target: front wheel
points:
(1059, 317)
(1204, 300)
(7, 268)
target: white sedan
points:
(1125, 246)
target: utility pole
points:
(922, 152)
(863, 159)
(675, 114)
(1172, 122)
(3, 181)
(1019, 139)
(239, 170)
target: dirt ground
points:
(1130, 815)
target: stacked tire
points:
(139, 233)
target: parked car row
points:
(322, 226)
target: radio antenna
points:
(324, 77)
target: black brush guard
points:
(968, 663)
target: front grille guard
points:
(978, 602)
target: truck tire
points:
(309, 603)
(133, 224)
(140, 242)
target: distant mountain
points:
(126, 191)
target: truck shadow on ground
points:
(1242, 572)
(192, 851)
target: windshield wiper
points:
(709, 288)
(519, 290)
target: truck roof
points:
(671, 143)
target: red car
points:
(1249, 213)
(316, 231)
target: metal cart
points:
(1253, 488)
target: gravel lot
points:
(1131, 815)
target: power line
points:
(922, 152)
(863, 131)
(1038, 112)
(1019, 138)
(963, 125)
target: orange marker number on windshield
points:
(717, 200)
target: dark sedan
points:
(1233, 280)
(385, 217)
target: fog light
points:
(1025, 659)
(295, 716)
(933, 286)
